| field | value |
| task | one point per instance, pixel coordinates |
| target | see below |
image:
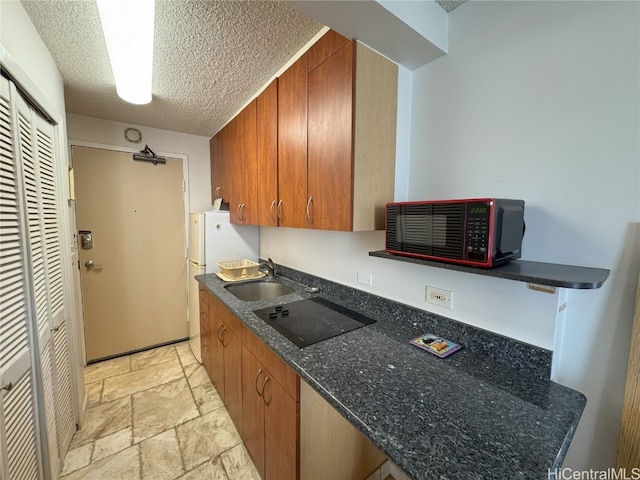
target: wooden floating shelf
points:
(540, 273)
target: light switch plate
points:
(365, 279)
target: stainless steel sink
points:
(258, 290)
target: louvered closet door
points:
(50, 220)
(36, 152)
(18, 428)
(32, 192)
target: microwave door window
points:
(421, 233)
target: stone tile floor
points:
(155, 415)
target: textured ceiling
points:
(210, 57)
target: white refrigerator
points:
(212, 238)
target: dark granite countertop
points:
(488, 411)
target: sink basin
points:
(260, 290)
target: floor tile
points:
(94, 393)
(207, 398)
(161, 408)
(153, 357)
(162, 402)
(238, 464)
(99, 371)
(102, 420)
(211, 470)
(139, 380)
(76, 459)
(206, 437)
(197, 375)
(160, 457)
(185, 354)
(110, 444)
(124, 465)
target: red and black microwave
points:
(480, 232)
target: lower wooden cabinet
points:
(271, 421)
(225, 357)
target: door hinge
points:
(78, 264)
(184, 185)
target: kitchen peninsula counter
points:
(488, 411)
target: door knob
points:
(91, 264)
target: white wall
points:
(194, 148)
(540, 101)
(19, 37)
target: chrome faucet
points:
(269, 268)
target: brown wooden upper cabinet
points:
(267, 155)
(244, 168)
(324, 144)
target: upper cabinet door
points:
(330, 141)
(292, 144)
(267, 155)
(245, 178)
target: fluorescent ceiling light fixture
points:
(128, 31)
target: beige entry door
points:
(134, 287)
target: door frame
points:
(79, 330)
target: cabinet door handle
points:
(264, 384)
(256, 382)
(279, 210)
(240, 212)
(6, 387)
(274, 219)
(218, 333)
(224, 329)
(309, 202)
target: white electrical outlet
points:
(365, 279)
(438, 296)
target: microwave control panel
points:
(477, 231)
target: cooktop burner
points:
(310, 321)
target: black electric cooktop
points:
(310, 321)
